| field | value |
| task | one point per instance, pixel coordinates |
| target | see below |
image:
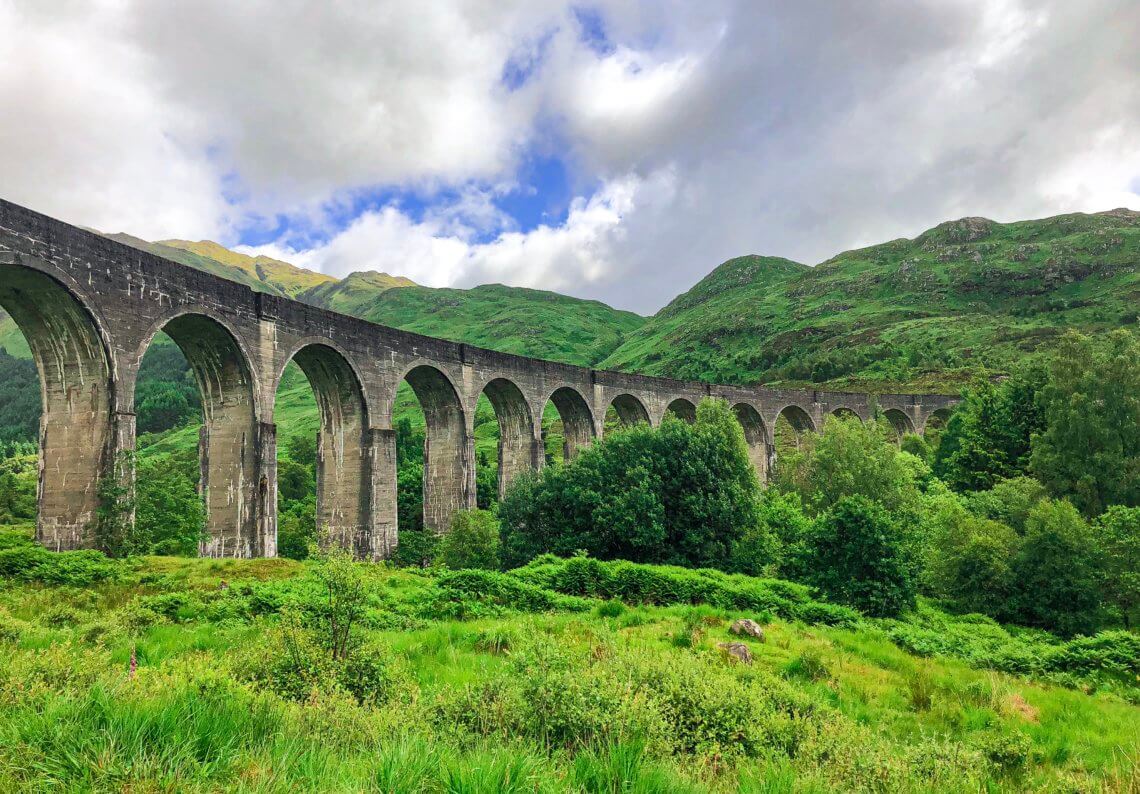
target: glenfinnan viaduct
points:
(89, 307)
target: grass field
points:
(492, 682)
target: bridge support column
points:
(231, 485)
(381, 537)
(265, 543)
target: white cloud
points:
(712, 129)
(579, 253)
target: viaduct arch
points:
(89, 307)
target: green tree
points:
(855, 555)
(170, 517)
(472, 542)
(781, 524)
(1009, 501)
(850, 458)
(969, 560)
(988, 437)
(1089, 450)
(163, 405)
(1118, 535)
(681, 494)
(297, 527)
(18, 477)
(1058, 570)
(916, 445)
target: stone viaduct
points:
(89, 307)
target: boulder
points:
(737, 650)
(748, 628)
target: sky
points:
(610, 150)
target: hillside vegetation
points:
(199, 675)
(966, 298)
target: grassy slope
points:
(965, 298)
(886, 720)
(288, 279)
(509, 319)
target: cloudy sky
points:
(612, 150)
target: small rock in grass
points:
(737, 650)
(748, 627)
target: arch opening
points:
(935, 426)
(74, 426)
(567, 425)
(683, 410)
(756, 437)
(448, 451)
(900, 422)
(625, 410)
(323, 463)
(235, 499)
(518, 448)
(843, 412)
(791, 424)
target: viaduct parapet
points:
(89, 308)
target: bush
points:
(1058, 571)
(855, 554)
(635, 583)
(1009, 501)
(294, 662)
(472, 542)
(849, 458)
(475, 593)
(31, 563)
(970, 561)
(681, 494)
(1118, 536)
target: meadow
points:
(177, 674)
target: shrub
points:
(31, 563)
(1117, 532)
(294, 662)
(681, 494)
(1009, 501)
(809, 664)
(970, 561)
(1058, 570)
(610, 609)
(854, 554)
(473, 593)
(472, 542)
(635, 583)
(849, 458)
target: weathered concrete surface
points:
(89, 308)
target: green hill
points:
(967, 297)
(281, 276)
(509, 319)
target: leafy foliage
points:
(681, 494)
(856, 555)
(1089, 450)
(472, 542)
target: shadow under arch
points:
(901, 423)
(791, 424)
(843, 412)
(683, 409)
(756, 436)
(629, 409)
(235, 492)
(937, 420)
(449, 466)
(518, 448)
(343, 464)
(577, 420)
(76, 402)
